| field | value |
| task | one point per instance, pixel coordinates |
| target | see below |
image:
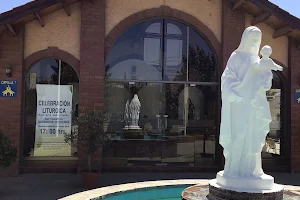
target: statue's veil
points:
(244, 45)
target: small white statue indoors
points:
(127, 116)
(245, 114)
(134, 109)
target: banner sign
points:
(297, 96)
(53, 120)
(9, 88)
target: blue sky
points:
(292, 6)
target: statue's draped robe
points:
(244, 124)
(135, 110)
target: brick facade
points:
(233, 26)
(92, 60)
(94, 46)
(294, 68)
(10, 108)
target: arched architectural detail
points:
(169, 13)
(284, 74)
(52, 52)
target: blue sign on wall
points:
(297, 96)
(8, 88)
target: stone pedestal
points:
(248, 188)
(133, 132)
(241, 184)
(132, 128)
(216, 192)
(211, 192)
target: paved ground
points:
(54, 186)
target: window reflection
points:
(273, 140)
(174, 44)
(152, 44)
(45, 71)
(146, 52)
(175, 48)
(136, 55)
(166, 135)
(177, 120)
(202, 62)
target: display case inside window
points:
(177, 122)
(170, 71)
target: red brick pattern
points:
(233, 26)
(10, 115)
(92, 62)
(92, 54)
(294, 68)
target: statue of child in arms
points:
(265, 67)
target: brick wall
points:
(92, 60)
(233, 26)
(11, 53)
(294, 68)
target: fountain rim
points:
(129, 187)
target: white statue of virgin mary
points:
(245, 114)
(134, 108)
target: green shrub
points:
(8, 153)
(87, 133)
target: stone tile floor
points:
(55, 186)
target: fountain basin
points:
(161, 190)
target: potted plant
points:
(88, 136)
(8, 153)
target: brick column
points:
(294, 69)
(10, 108)
(92, 59)
(233, 26)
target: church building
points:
(162, 58)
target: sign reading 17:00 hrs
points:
(52, 131)
(53, 120)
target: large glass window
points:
(173, 72)
(50, 72)
(157, 49)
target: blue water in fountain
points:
(165, 193)
(154, 193)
